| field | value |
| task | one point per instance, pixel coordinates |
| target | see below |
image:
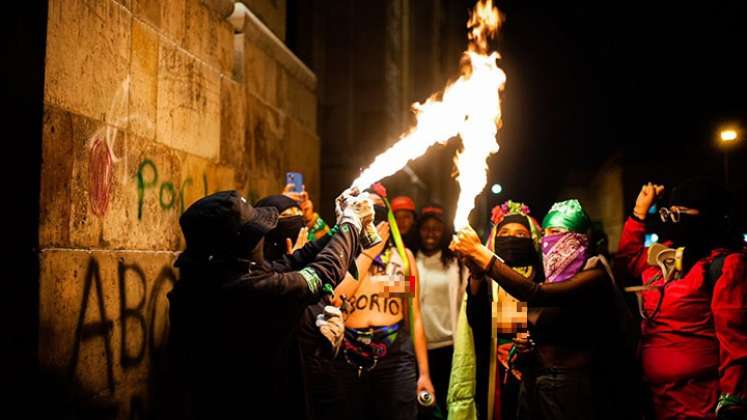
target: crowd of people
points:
(387, 313)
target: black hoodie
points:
(232, 317)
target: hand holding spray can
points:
(369, 235)
(351, 200)
(425, 398)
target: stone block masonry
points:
(149, 105)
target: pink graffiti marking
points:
(100, 174)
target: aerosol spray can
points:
(369, 236)
(425, 398)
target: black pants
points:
(388, 391)
(509, 393)
(556, 393)
(439, 364)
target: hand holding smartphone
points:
(295, 178)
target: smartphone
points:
(295, 178)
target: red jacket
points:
(695, 348)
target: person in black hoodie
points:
(233, 313)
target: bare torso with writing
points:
(378, 300)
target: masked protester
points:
(315, 225)
(574, 327)
(232, 311)
(484, 381)
(693, 301)
(442, 284)
(405, 213)
(290, 228)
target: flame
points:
(469, 107)
(483, 23)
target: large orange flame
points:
(469, 107)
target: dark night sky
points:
(647, 82)
(650, 81)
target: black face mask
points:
(515, 251)
(691, 232)
(275, 240)
(381, 214)
(246, 242)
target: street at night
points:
(391, 209)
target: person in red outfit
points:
(693, 303)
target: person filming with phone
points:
(295, 189)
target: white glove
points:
(331, 325)
(357, 211)
(340, 201)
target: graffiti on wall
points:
(169, 196)
(102, 158)
(142, 327)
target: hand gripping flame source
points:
(470, 107)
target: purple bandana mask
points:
(564, 255)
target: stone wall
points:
(149, 105)
(271, 12)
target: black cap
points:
(280, 202)
(223, 224)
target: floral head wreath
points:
(511, 208)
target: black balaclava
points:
(275, 240)
(515, 251)
(698, 234)
(288, 227)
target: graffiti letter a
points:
(101, 328)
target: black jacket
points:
(232, 322)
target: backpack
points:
(714, 270)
